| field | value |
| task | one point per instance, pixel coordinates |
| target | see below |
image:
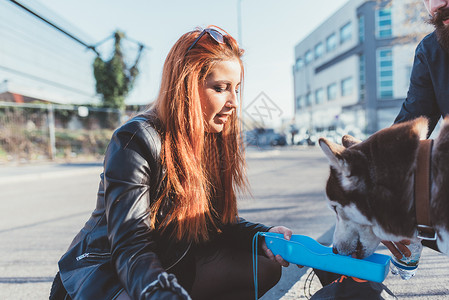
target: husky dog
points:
(371, 187)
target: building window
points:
(332, 91)
(383, 22)
(331, 42)
(319, 96)
(299, 64)
(385, 73)
(345, 33)
(362, 80)
(309, 99)
(308, 57)
(361, 29)
(319, 50)
(346, 86)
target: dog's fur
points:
(370, 187)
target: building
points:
(352, 72)
(41, 62)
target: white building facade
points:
(353, 71)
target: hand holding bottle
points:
(405, 261)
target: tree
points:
(114, 79)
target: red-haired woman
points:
(166, 223)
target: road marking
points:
(49, 175)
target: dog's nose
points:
(334, 250)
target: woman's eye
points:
(219, 89)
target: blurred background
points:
(313, 68)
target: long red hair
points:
(203, 170)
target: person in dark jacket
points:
(428, 94)
(166, 224)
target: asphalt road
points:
(287, 187)
(42, 207)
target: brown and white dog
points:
(370, 187)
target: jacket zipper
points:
(82, 256)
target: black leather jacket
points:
(116, 249)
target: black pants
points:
(213, 271)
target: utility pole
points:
(51, 131)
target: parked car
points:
(265, 137)
(278, 140)
(309, 140)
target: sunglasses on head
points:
(215, 34)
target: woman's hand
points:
(287, 235)
(398, 248)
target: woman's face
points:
(218, 94)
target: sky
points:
(270, 30)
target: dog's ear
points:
(334, 152)
(443, 136)
(350, 163)
(348, 141)
(442, 141)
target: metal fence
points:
(30, 132)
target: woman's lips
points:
(221, 118)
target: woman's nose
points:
(233, 101)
